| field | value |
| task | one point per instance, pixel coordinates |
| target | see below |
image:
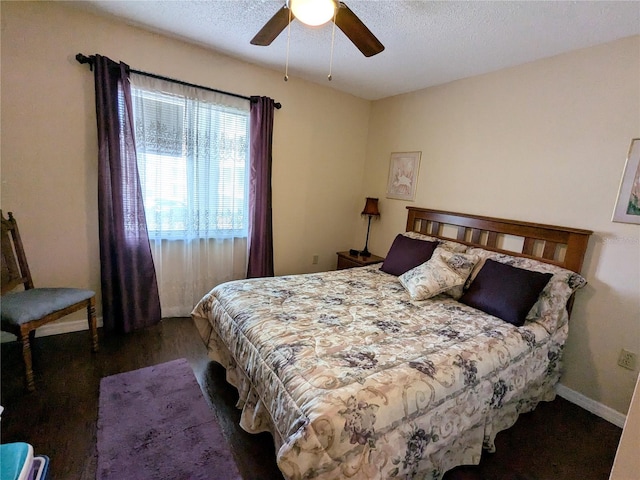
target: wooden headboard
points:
(560, 246)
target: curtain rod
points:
(90, 60)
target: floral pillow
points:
(505, 291)
(443, 272)
(550, 309)
(448, 244)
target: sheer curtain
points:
(193, 156)
(128, 281)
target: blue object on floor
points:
(16, 461)
(41, 467)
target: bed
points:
(404, 369)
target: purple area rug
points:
(154, 423)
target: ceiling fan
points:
(304, 10)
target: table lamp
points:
(371, 210)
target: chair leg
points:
(24, 338)
(93, 323)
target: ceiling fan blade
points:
(357, 31)
(272, 28)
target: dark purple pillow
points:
(406, 253)
(505, 292)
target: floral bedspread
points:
(354, 380)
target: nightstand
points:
(349, 261)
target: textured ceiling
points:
(426, 42)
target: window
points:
(193, 157)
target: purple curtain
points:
(130, 298)
(260, 241)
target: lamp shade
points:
(371, 207)
(313, 12)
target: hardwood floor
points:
(558, 441)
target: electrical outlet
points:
(627, 359)
(314, 261)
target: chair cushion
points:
(17, 308)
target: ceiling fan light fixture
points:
(313, 12)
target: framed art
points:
(403, 175)
(627, 207)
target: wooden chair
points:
(24, 310)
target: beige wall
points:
(49, 152)
(544, 142)
(626, 464)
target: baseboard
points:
(602, 411)
(54, 328)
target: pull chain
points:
(286, 68)
(333, 37)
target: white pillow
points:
(445, 271)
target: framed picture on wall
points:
(403, 175)
(628, 203)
